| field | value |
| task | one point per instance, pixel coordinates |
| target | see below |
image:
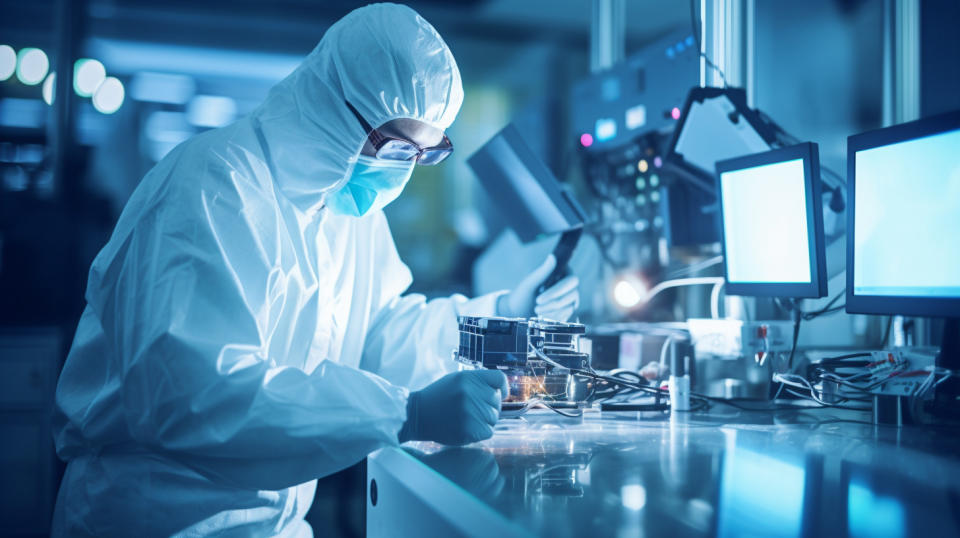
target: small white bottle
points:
(679, 383)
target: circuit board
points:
(536, 355)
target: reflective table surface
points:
(728, 472)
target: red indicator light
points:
(586, 140)
(675, 113)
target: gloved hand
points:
(457, 409)
(557, 303)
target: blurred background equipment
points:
(529, 197)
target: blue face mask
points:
(372, 185)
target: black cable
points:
(696, 37)
(797, 316)
(703, 401)
(827, 309)
(824, 404)
(792, 306)
(845, 357)
(818, 313)
(783, 407)
(833, 368)
(886, 333)
(561, 412)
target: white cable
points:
(547, 359)
(802, 383)
(696, 267)
(715, 300)
(715, 281)
(679, 282)
(663, 352)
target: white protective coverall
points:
(239, 340)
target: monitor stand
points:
(948, 392)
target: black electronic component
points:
(622, 120)
(518, 346)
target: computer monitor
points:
(771, 223)
(903, 204)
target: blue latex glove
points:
(457, 409)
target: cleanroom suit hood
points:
(388, 63)
(239, 340)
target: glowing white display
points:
(907, 215)
(765, 224)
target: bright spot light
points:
(49, 87)
(32, 66)
(636, 117)
(657, 161)
(605, 128)
(586, 140)
(643, 166)
(87, 76)
(634, 497)
(675, 113)
(626, 294)
(8, 62)
(109, 96)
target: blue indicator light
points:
(605, 129)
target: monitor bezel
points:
(809, 153)
(884, 304)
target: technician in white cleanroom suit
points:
(246, 330)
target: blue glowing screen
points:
(765, 223)
(907, 218)
(750, 481)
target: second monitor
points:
(771, 223)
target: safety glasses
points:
(399, 149)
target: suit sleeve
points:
(189, 302)
(411, 340)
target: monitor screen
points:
(908, 215)
(903, 255)
(768, 212)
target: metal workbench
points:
(728, 472)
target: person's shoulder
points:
(224, 160)
(215, 175)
